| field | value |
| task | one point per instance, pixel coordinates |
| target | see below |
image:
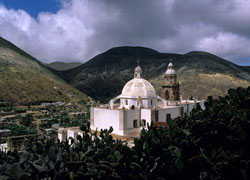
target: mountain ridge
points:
(63, 66)
(25, 79)
(104, 75)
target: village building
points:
(139, 105)
(5, 132)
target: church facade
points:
(138, 104)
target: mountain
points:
(23, 79)
(63, 66)
(200, 74)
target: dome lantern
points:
(138, 92)
(138, 72)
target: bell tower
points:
(170, 87)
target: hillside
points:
(63, 66)
(24, 80)
(200, 74)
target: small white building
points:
(138, 104)
(71, 132)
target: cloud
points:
(84, 28)
(226, 45)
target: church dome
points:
(138, 87)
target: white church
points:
(138, 104)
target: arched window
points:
(143, 122)
(135, 125)
(167, 95)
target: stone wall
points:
(19, 143)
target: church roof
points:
(138, 87)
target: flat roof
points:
(4, 130)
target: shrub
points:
(210, 144)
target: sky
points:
(77, 30)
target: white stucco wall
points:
(130, 103)
(202, 104)
(130, 116)
(104, 118)
(147, 103)
(188, 107)
(174, 111)
(80, 134)
(4, 147)
(134, 101)
(146, 114)
(70, 133)
(60, 136)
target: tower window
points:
(135, 123)
(126, 101)
(151, 102)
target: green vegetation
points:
(25, 81)
(210, 144)
(200, 74)
(19, 110)
(66, 116)
(18, 130)
(26, 120)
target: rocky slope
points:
(23, 79)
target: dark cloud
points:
(84, 28)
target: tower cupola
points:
(170, 70)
